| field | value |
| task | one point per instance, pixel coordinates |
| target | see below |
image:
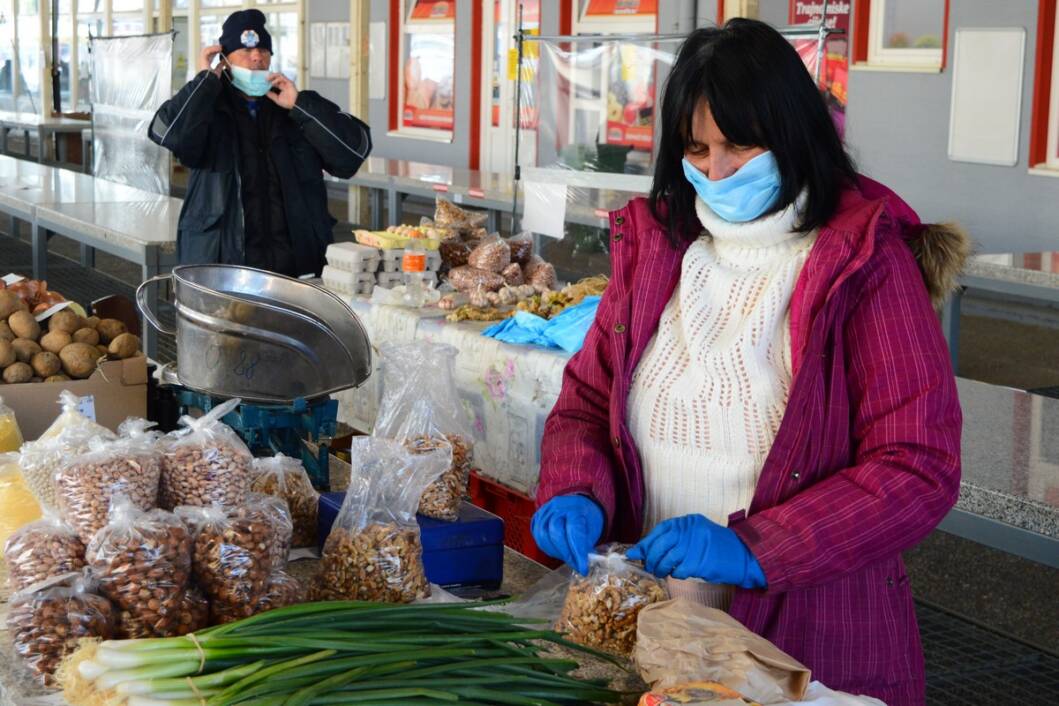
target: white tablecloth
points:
(508, 390)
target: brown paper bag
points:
(678, 641)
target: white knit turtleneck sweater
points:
(708, 396)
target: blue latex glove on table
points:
(566, 331)
(694, 547)
(567, 528)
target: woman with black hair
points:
(765, 391)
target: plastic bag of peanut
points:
(86, 483)
(420, 407)
(374, 552)
(42, 550)
(283, 590)
(205, 462)
(47, 620)
(142, 561)
(285, 478)
(601, 608)
(232, 550)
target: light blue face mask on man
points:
(252, 83)
(743, 196)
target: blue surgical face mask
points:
(250, 82)
(743, 196)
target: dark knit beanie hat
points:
(245, 30)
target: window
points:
(427, 67)
(7, 56)
(906, 34)
(1044, 130)
(28, 44)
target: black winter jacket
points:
(199, 127)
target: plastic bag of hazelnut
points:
(142, 561)
(281, 524)
(187, 612)
(88, 482)
(285, 477)
(601, 608)
(42, 550)
(232, 550)
(283, 590)
(205, 462)
(47, 620)
(421, 408)
(374, 551)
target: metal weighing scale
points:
(281, 345)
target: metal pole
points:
(519, 37)
(820, 43)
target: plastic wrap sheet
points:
(131, 77)
(596, 141)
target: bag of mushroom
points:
(421, 409)
(374, 552)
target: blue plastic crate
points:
(467, 552)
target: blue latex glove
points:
(694, 547)
(567, 527)
(566, 331)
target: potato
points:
(78, 360)
(5, 332)
(24, 325)
(55, 341)
(86, 335)
(64, 320)
(56, 378)
(92, 322)
(17, 373)
(124, 346)
(25, 349)
(10, 303)
(109, 329)
(7, 353)
(46, 364)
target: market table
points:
(45, 128)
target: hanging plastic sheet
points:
(594, 103)
(131, 78)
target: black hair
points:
(760, 95)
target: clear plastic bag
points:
(469, 279)
(513, 276)
(232, 551)
(374, 551)
(285, 477)
(601, 608)
(205, 463)
(420, 407)
(188, 613)
(493, 254)
(540, 274)
(10, 434)
(279, 518)
(42, 550)
(283, 590)
(142, 561)
(48, 619)
(68, 436)
(449, 215)
(454, 253)
(18, 507)
(87, 482)
(521, 248)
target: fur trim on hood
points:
(941, 249)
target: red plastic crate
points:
(516, 509)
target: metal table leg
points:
(62, 150)
(4, 129)
(492, 222)
(376, 208)
(394, 206)
(950, 325)
(88, 255)
(39, 237)
(25, 136)
(42, 145)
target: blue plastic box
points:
(467, 552)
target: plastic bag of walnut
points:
(285, 478)
(87, 482)
(420, 408)
(601, 608)
(232, 550)
(42, 550)
(142, 561)
(374, 551)
(47, 620)
(205, 462)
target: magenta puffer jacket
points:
(866, 461)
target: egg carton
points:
(351, 284)
(353, 257)
(389, 280)
(391, 260)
